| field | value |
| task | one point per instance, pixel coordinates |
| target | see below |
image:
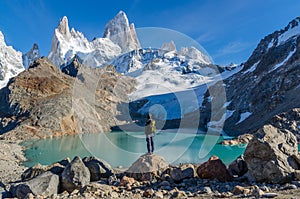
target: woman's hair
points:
(149, 116)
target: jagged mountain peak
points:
(119, 31)
(63, 27)
(170, 46)
(280, 45)
(32, 55)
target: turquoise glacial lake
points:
(123, 148)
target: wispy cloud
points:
(233, 48)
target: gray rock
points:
(207, 190)
(164, 184)
(33, 172)
(269, 156)
(183, 172)
(45, 184)
(289, 186)
(269, 195)
(147, 167)
(98, 168)
(75, 176)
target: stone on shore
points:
(238, 167)
(241, 139)
(45, 184)
(75, 176)
(147, 167)
(272, 155)
(182, 172)
(98, 168)
(214, 168)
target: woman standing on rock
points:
(150, 129)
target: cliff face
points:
(267, 86)
(44, 102)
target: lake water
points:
(123, 148)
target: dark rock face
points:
(32, 55)
(214, 168)
(289, 120)
(44, 102)
(98, 168)
(267, 85)
(272, 155)
(73, 68)
(75, 176)
(45, 184)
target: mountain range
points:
(112, 83)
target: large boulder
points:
(33, 171)
(214, 168)
(182, 172)
(75, 176)
(38, 169)
(45, 184)
(272, 155)
(98, 168)
(147, 167)
(238, 167)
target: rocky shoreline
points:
(152, 177)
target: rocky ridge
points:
(119, 31)
(268, 84)
(44, 102)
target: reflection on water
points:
(121, 148)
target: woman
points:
(149, 132)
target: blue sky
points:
(229, 30)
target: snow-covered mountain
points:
(122, 33)
(32, 55)
(168, 70)
(119, 37)
(66, 44)
(267, 87)
(10, 62)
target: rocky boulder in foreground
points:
(75, 176)
(214, 168)
(45, 184)
(147, 167)
(272, 155)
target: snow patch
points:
(252, 68)
(228, 114)
(243, 116)
(270, 45)
(285, 60)
(288, 34)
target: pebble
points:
(289, 186)
(159, 194)
(207, 190)
(270, 195)
(114, 194)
